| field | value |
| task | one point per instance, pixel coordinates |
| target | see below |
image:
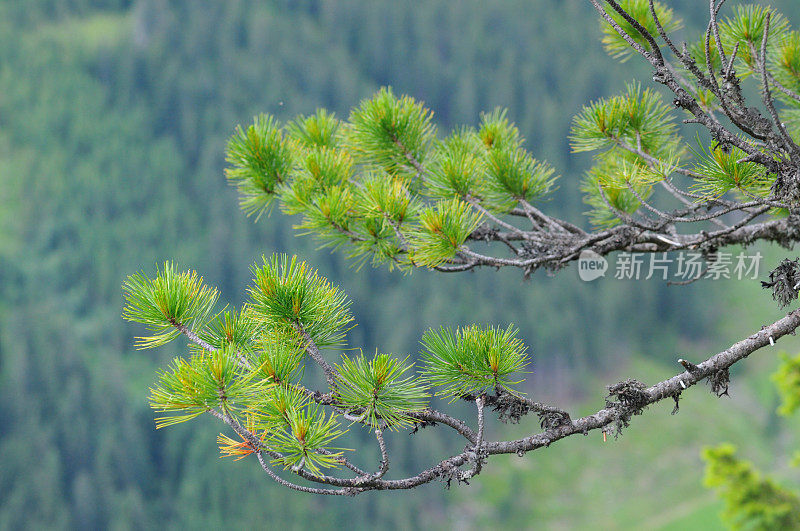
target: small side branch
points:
(383, 467)
(300, 488)
(478, 454)
(433, 416)
(197, 340)
(766, 94)
(191, 336)
(313, 350)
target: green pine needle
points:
(296, 427)
(459, 168)
(173, 299)
(329, 215)
(513, 175)
(287, 293)
(598, 125)
(319, 169)
(472, 360)
(274, 408)
(307, 432)
(390, 132)
(191, 387)
(746, 28)
(443, 229)
(231, 328)
(785, 65)
(637, 117)
(384, 195)
(616, 180)
(698, 52)
(495, 131)
(377, 390)
(261, 160)
(721, 173)
(319, 130)
(278, 358)
(378, 241)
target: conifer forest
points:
(350, 264)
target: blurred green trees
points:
(113, 120)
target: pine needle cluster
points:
(382, 184)
(472, 360)
(381, 391)
(173, 298)
(614, 127)
(288, 297)
(723, 172)
(639, 10)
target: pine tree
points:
(386, 187)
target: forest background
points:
(113, 121)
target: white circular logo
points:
(591, 266)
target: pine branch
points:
(616, 416)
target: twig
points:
(312, 349)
